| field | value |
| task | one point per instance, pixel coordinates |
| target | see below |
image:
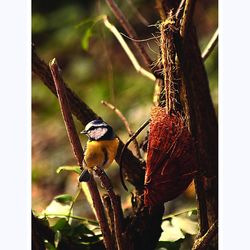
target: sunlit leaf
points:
(185, 224)
(75, 169)
(64, 198)
(55, 209)
(170, 232)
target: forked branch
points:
(77, 148)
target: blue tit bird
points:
(100, 149)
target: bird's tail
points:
(85, 176)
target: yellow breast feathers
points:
(100, 153)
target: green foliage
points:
(176, 228)
(69, 230)
(64, 198)
(87, 27)
(75, 169)
(77, 233)
(86, 37)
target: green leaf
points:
(170, 232)
(86, 38)
(75, 169)
(60, 225)
(81, 229)
(56, 209)
(185, 224)
(64, 198)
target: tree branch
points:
(110, 213)
(187, 17)
(124, 149)
(180, 9)
(115, 207)
(84, 114)
(77, 148)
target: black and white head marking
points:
(98, 130)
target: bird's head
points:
(98, 130)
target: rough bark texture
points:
(200, 115)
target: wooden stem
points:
(115, 207)
(78, 151)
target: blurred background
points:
(96, 68)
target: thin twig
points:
(137, 13)
(84, 114)
(124, 148)
(211, 45)
(130, 31)
(180, 9)
(116, 211)
(202, 243)
(78, 151)
(187, 16)
(74, 200)
(126, 124)
(128, 51)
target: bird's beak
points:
(83, 132)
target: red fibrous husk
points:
(171, 160)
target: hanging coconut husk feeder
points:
(171, 158)
(171, 161)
